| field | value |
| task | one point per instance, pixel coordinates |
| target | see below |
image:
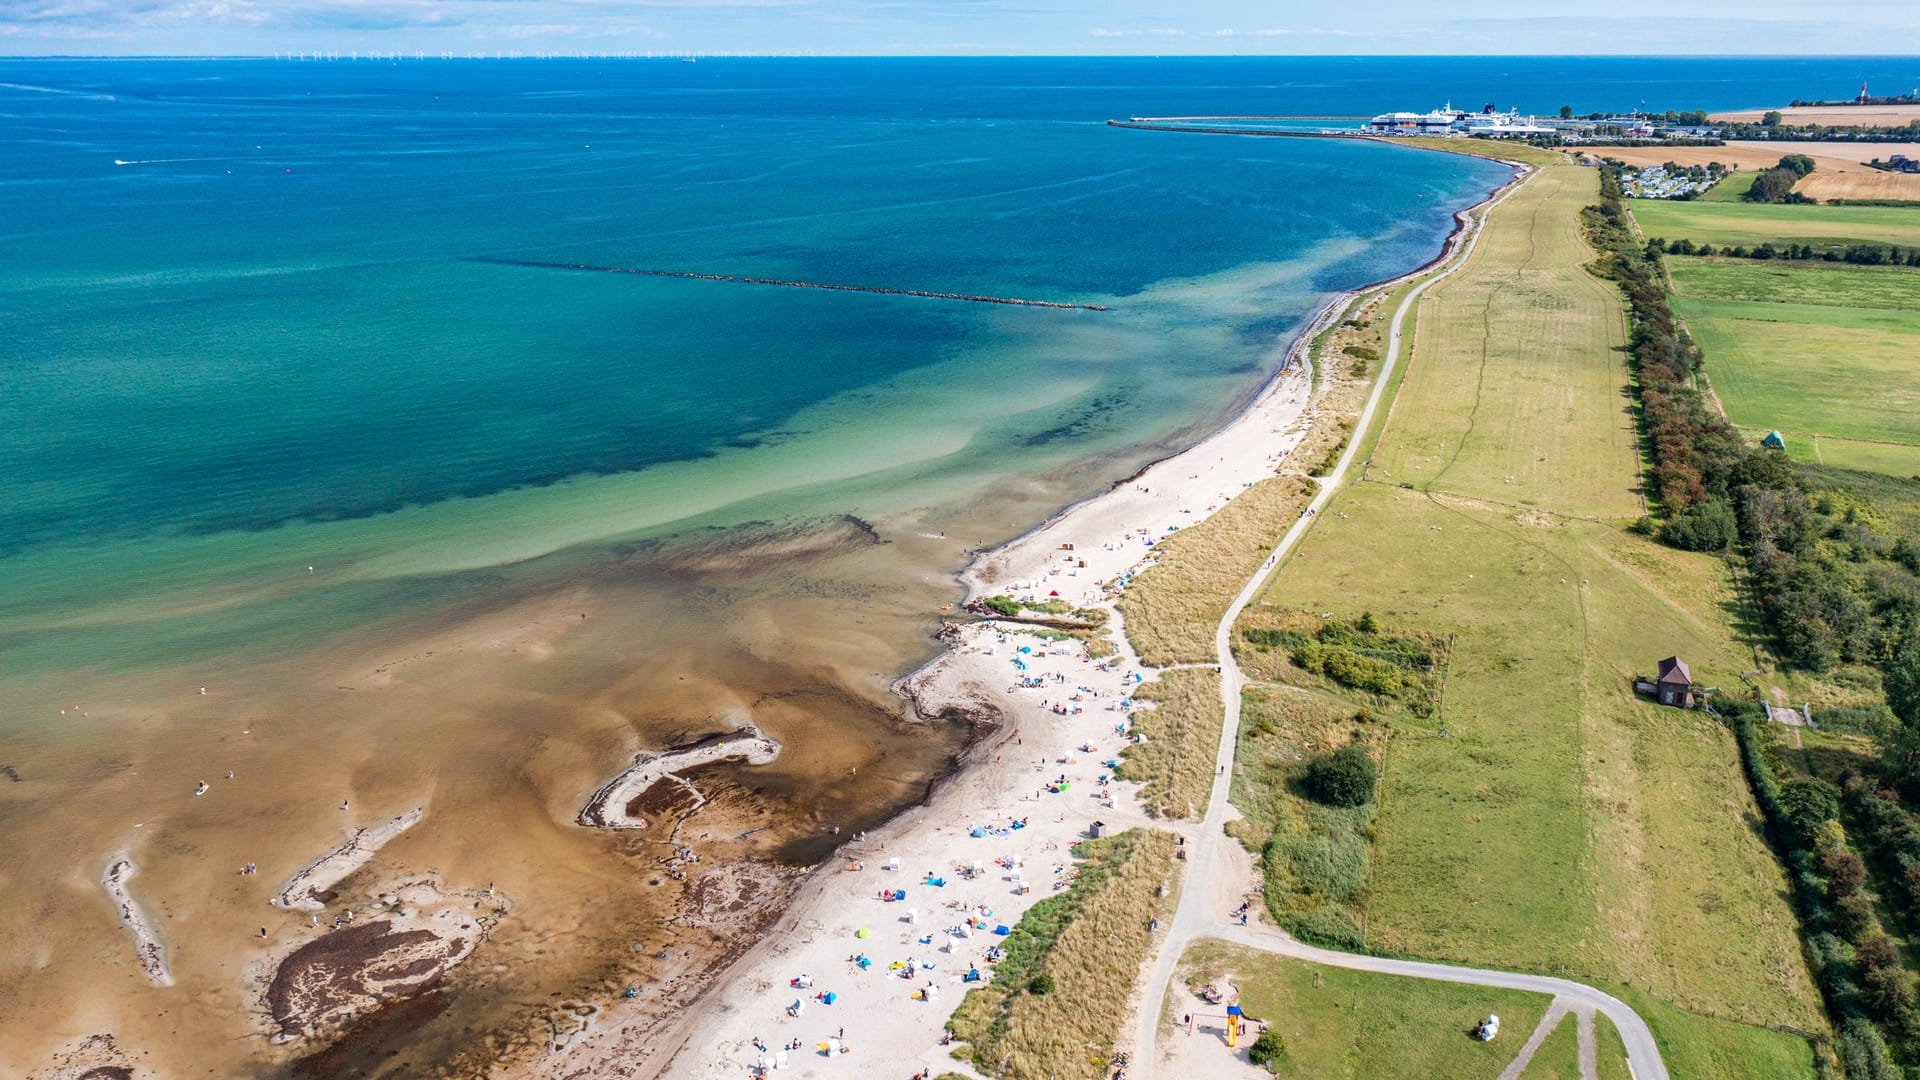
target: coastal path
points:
(1217, 864)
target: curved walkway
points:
(1210, 865)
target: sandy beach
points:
(861, 973)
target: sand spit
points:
(146, 940)
(311, 888)
(407, 939)
(607, 808)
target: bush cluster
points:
(1345, 777)
(1359, 655)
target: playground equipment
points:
(1234, 1023)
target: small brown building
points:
(1675, 684)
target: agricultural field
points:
(1827, 354)
(1748, 224)
(1541, 817)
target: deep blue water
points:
(241, 296)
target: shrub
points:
(1346, 777)
(1704, 526)
(1040, 984)
(1002, 605)
(1266, 1049)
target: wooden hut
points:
(1674, 686)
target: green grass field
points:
(1520, 348)
(1558, 824)
(1827, 354)
(1812, 368)
(1835, 284)
(1748, 224)
(1733, 188)
(1350, 1025)
(1559, 1057)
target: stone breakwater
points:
(878, 290)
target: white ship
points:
(1448, 120)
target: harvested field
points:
(1833, 115)
(1871, 184)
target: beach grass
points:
(1054, 1005)
(1558, 1058)
(1339, 1024)
(1172, 607)
(1545, 819)
(1182, 731)
(1748, 224)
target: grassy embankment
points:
(1056, 1002)
(1828, 354)
(1558, 824)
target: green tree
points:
(1797, 164)
(1566, 112)
(1771, 118)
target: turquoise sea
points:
(243, 329)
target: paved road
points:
(1203, 911)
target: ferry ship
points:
(1448, 120)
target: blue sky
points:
(962, 27)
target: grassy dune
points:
(1084, 947)
(1725, 223)
(1558, 824)
(1182, 731)
(1351, 1025)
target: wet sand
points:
(501, 713)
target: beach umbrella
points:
(862, 932)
